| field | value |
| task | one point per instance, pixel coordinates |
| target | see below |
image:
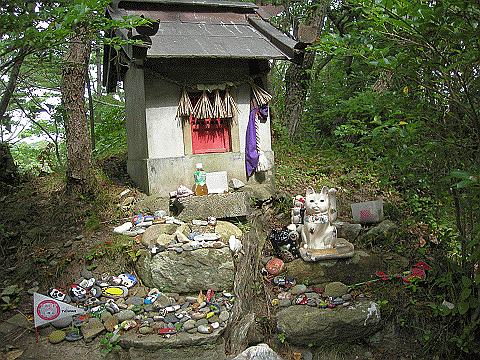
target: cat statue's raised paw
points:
(320, 211)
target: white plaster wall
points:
(164, 130)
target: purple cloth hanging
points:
(251, 153)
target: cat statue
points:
(317, 233)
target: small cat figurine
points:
(320, 210)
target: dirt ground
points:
(47, 238)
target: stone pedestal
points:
(341, 249)
(218, 205)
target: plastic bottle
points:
(200, 180)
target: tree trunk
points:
(8, 169)
(78, 145)
(252, 299)
(297, 78)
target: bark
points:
(78, 144)
(297, 78)
(12, 82)
(252, 299)
(8, 169)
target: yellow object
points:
(209, 315)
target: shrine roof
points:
(204, 28)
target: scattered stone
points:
(56, 336)
(201, 322)
(298, 289)
(205, 329)
(62, 322)
(236, 184)
(134, 300)
(125, 315)
(73, 335)
(109, 321)
(275, 266)
(92, 328)
(224, 315)
(144, 330)
(335, 289)
(68, 243)
(260, 351)
(284, 302)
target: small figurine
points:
(318, 235)
(320, 211)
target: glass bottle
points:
(200, 177)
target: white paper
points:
(217, 182)
(46, 309)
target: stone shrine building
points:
(191, 81)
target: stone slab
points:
(180, 346)
(218, 205)
(305, 325)
(342, 249)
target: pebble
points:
(145, 330)
(68, 243)
(224, 315)
(189, 324)
(298, 289)
(125, 315)
(214, 319)
(335, 289)
(198, 316)
(171, 318)
(134, 300)
(284, 302)
(275, 266)
(201, 322)
(73, 335)
(205, 329)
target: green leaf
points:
(463, 307)
(465, 293)
(466, 281)
(460, 174)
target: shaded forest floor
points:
(47, 237)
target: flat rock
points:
(92, 328)
(149, 204)
(15, 322)
(181, 346)
(361, 267)
(304, 325)
(348, 231)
